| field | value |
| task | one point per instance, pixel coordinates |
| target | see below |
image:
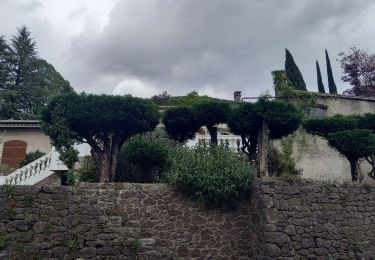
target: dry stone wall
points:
(151, 221)
(312, 220)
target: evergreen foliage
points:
(319, 79)
(293, 73)
(30, 157)
(353, 136)
(331, 82)
(324, 126)
(282, 118)
(180, 123)
(104, 122)
(353, 144)
(144, 158)
(191, 99)
(27, 82)
(211, 113)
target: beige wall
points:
(35, 138)
(317, 160)
(346, 105)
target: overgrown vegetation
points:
(3, 240)
(213, 175)
(30, 157)
(144, 157)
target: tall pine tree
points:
(5, 64)
(26, 81)
(331, 82)
(293, 72)
(319, 77)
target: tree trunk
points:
(263, 137)
(105, 167)
(253, 148)
(114, 158)
(354, 170)
(106, 161)
(109, 159)
(213, 133)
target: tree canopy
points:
(211, 113)
(104, 122)
(27, 82)
(359, 71)
(258, 122)
(353, 144)
(180, 123)
(327, 125)
(353, 136)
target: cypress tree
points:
(320, 81)
(293, 72)
(331, 82)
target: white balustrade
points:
(231, 141)
(30, 174)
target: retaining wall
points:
(151, 221)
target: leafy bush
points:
(30, 157)
(88, 170)
(213, 175)
(144, 157)
(280, 163)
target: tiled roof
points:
(19, 123)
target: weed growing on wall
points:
(3, 240)
(213, 175)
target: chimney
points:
(237, 96)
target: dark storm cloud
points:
(221, 45)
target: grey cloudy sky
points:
(144, 47)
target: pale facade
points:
(314, 156)
(18, 137)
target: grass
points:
(28, 200)
(73, 244)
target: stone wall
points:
(311, 220)
(151, 221)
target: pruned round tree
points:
(180, 123)
(210, 114)
(104, 122)
(245, 121)
(324, 126)
(258, 122)
(353, 144)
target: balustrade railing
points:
(31, 173)
(231, 141)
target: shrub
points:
(88, 170)
(213, 175)
(30, 157)
(144, 157)
(280, 163)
